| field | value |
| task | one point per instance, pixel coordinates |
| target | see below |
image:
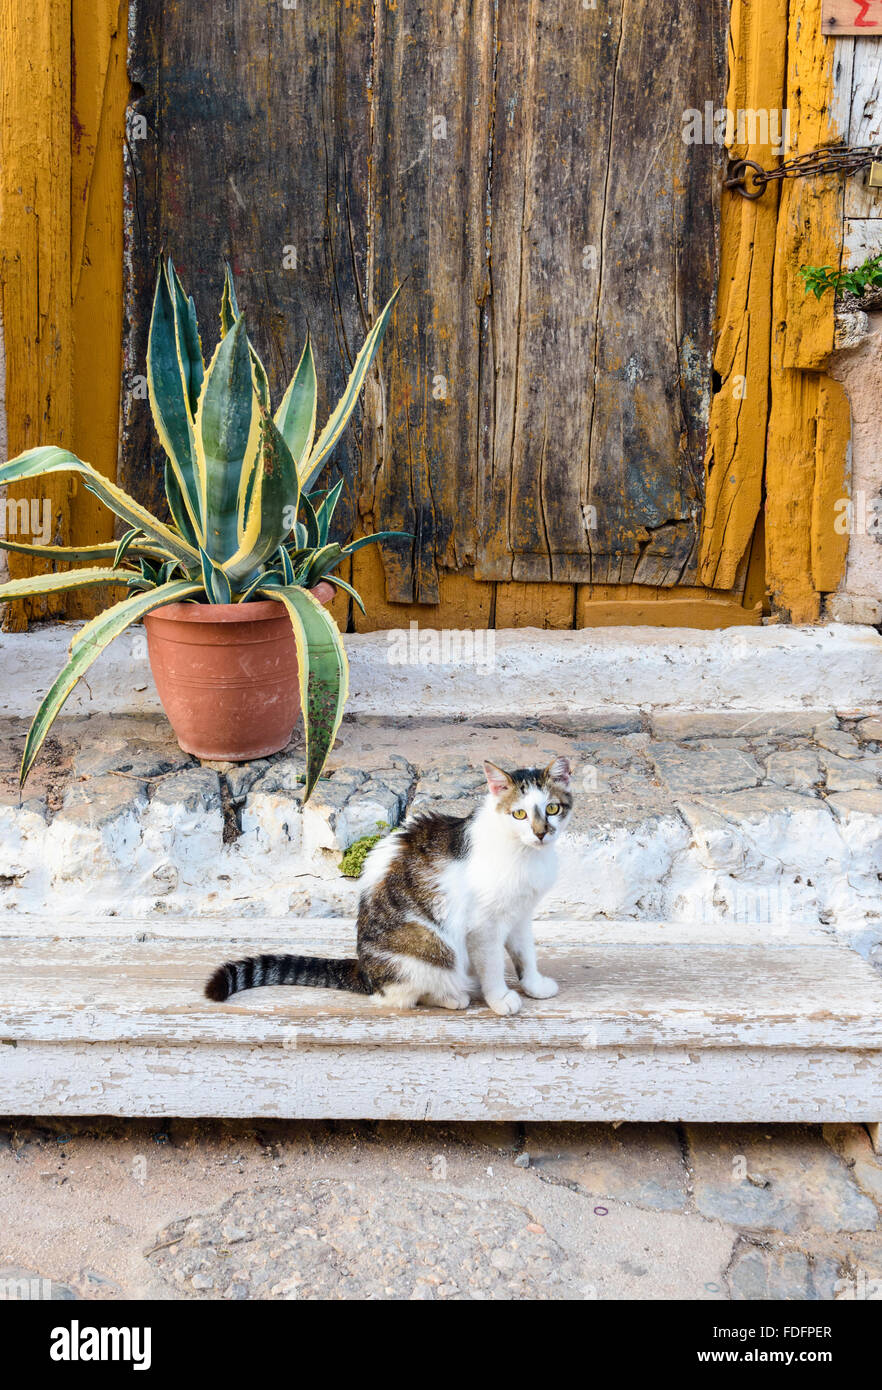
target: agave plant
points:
(244, 523)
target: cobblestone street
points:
(294, 1210)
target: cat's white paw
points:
(540, 988)
(508, 1003)
(456, 999)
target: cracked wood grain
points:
(431, 111)
(601, 308)
(476, 152)
(256, 153)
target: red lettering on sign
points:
(861, 20)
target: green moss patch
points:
(353, 859)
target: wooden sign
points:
(852, 17)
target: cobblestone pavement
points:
(113, 1209)
(735, 816)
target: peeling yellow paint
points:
(61, 188)
(777, 424)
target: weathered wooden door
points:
(542, 402)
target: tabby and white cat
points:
(442, 899)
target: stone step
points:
(654, 1021)
(419, 672)
(678, 816)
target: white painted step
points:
(654, 1021)
(510, 671)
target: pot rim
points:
(260, 610)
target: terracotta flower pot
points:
(226, 674)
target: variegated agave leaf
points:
(173, 380)
(227, 434)
(36, 463)
(272, 501)
(323, 674)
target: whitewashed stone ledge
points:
(594, 670)
(779, 820)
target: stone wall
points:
(858, 366)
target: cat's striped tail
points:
(318, 971)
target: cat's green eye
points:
(552, 808)
(519, 815)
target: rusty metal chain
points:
(749, 178)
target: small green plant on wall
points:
(820, 278)
(353, 858)
(244, 524)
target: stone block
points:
(371, 808)
(683, 725)
(286, 774)
(854, 608)
(837, 741)
(797, 768)
(271, 821)
(636, 1163)
(99, 801)
(704, 769)
(850, 774)
(241, 777)
(845, 805)
(763, 1276)
(784, 1181)
(197, 789)
(441, 806)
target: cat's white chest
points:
(510, 886)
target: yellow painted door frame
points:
(63, 95)
(779, 427)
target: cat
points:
(442, 899)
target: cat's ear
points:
(497, 780)
(560, 771)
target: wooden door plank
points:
(99, 95)
(431, 117)
(860, 17)
(659, 258)
(864, 126)
(554, 89)
(463, 602)
(809, 232)
(257, 151)
(829, 546)
(595, 425)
